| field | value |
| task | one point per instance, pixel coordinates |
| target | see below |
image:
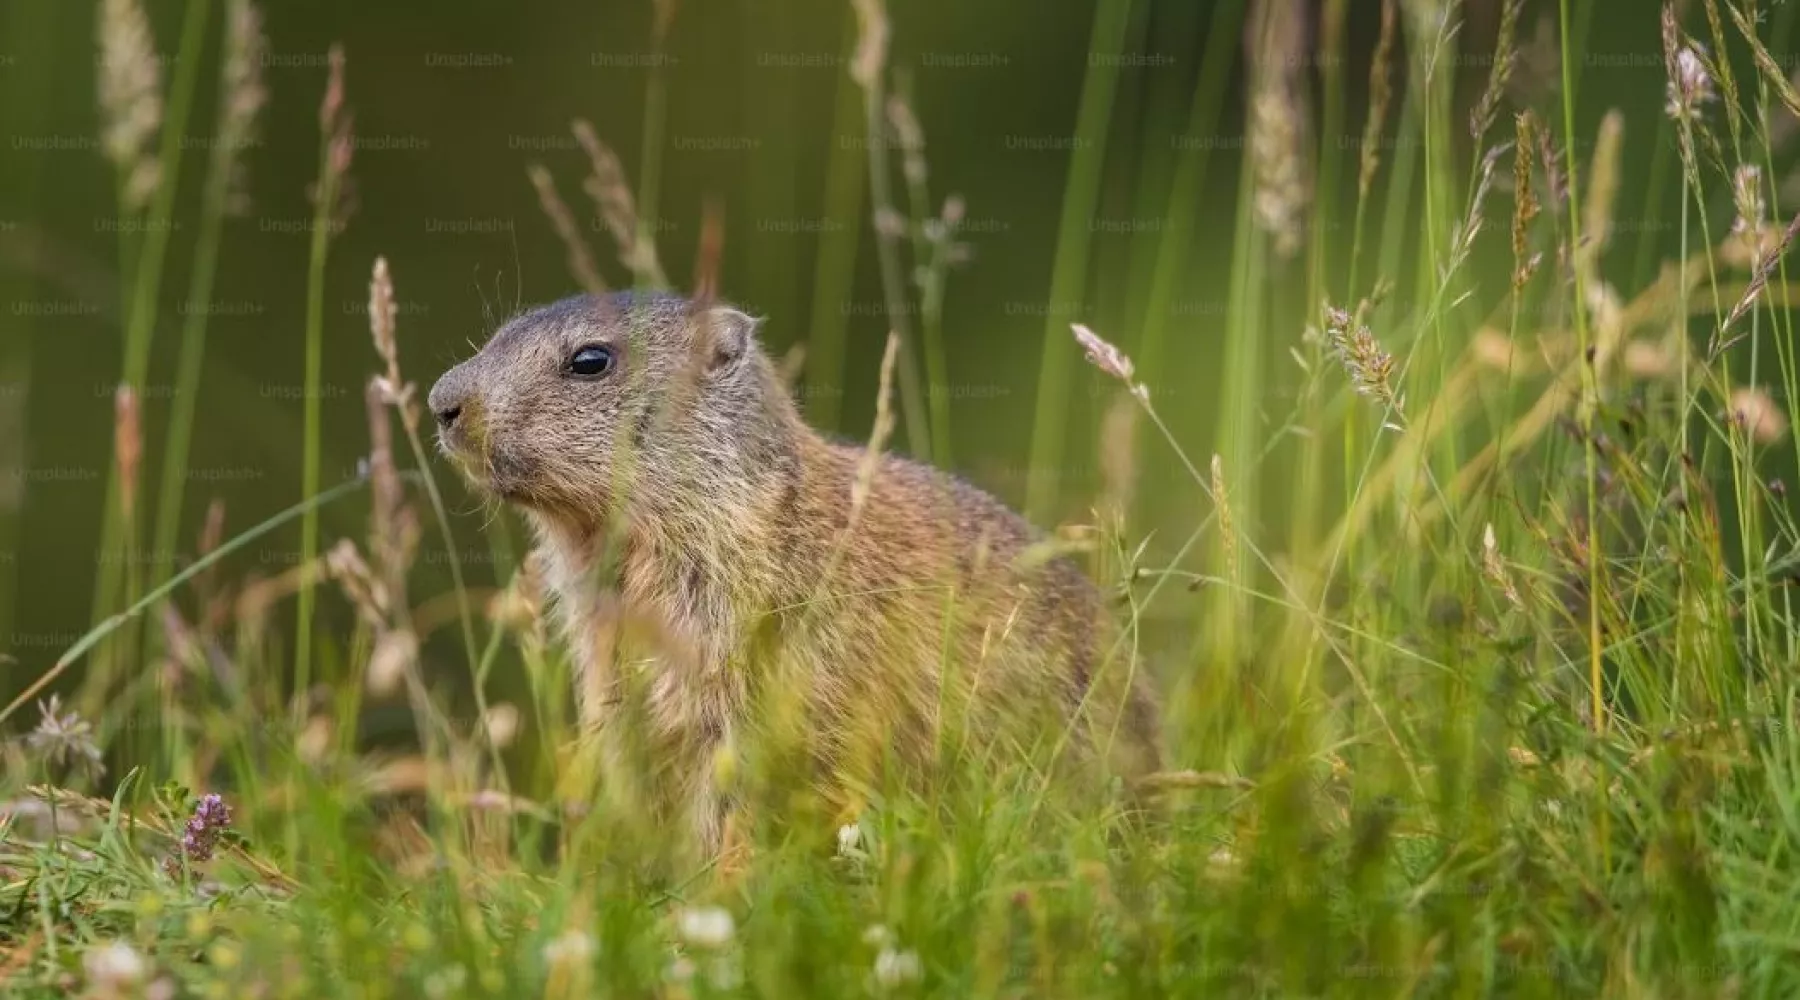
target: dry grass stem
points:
(128, 444)
(1525, 204)
(879, 434)
(581, 260)
(1481, 117)
(1755, 289)
(611, 192)
(1381, 94)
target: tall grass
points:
(141, 288)
(1512, 713)
(835, 267)
(1068, 279)
(334, 161)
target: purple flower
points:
(211, 818)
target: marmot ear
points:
(732, 334)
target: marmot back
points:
(711, 571)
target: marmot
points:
(698, 536)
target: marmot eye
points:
(592, 360)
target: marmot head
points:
(649, 399)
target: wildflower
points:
(681, 969)
(502, 724)
(706, 926)
(131, 102)
(211, 818)
(894, 967)
(849, 841)
(64, 738)
(448, 981)
(396, 650)
(1109, 359)
(570, 947)
(1690, 85)
(1757, 413)
(1370, 368)
(114, 969)
(878, 935)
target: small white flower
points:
(569, 947)
(894, 967)
(681, 969)
(877, 935)
(707, 926)
(446, 982)
(849, 840)
(113, 968)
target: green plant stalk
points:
(309, 475)
(881, 202)
(1242, 374)
(1441, 221)
(1165, 105)
(937, 367)
(193, 355)
(1309, 463)
(146, 283)
(834, 271)
(1188, 184)
(477, 663)
(1585, 413)
(931, 265)
(1068, 274)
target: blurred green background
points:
(453, 99)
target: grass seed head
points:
(131, 98)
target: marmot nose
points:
(446, 400)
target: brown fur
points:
(700, 539)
